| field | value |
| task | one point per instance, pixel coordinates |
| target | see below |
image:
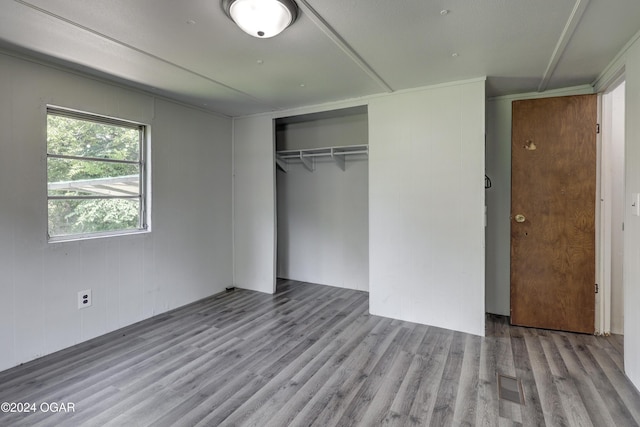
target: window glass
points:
(95, 175)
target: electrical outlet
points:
(84, 298)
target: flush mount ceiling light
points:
(261, 18)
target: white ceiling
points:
(337, 49)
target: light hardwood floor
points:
(312, 355)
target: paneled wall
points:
(631, 221)
(426, 206)
(254, 203)
(186, 257)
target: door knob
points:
(520, 218)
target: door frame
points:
(603, 229)
(604, 209)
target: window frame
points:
(144, 187)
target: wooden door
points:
(553, 184)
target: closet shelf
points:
(307, 156)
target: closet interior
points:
(322, 198)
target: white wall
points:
(632, 222)
(323, 223)
(426, 206)
(254, 216)
(498, 197)
(186, 257)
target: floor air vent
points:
(510, 388)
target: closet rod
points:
(343, 153)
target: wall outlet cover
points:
(84, 298)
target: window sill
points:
(92, 236)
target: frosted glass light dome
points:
(261, 18)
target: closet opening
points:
(322, 202)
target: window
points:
(95, 175)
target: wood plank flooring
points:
(312, 355)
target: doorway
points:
(610, 306)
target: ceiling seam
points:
(572, 23)
(337, 39)
(150, 55)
